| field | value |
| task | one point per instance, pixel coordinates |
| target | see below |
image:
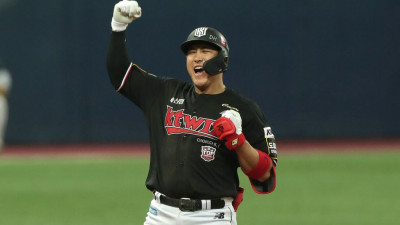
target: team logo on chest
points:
(208, 153)
(177, 122)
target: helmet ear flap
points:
(216, 65)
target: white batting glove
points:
(234, 116)
(124, 13)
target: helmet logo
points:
(223, 41)
(201, 31)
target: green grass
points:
(313, 189)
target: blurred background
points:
(321, 71)
(318, 69)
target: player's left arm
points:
(257, 161)
(254, 163)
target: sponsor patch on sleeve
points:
(271, 146)
(268, 132)
(270, 139)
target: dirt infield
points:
(142, 149)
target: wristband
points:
(264, 162)
(117, 26)
(234, 141)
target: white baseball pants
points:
(160, 214)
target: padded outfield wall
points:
(318, 69)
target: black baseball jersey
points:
(187, 160)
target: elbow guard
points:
(264, 162)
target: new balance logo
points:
(219, 216)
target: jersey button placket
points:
(193, 113)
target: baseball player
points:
(200, 132)
(5, 85)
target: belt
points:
(190, 205)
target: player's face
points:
(195, 57)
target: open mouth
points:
(198, 69)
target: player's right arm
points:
(127, 78)
(117, 57)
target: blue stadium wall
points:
(318, 69)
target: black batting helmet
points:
(219, 63)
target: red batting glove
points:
(225, 130)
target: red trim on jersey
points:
(125, 76)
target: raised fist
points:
(124, 13)
(229, 128)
